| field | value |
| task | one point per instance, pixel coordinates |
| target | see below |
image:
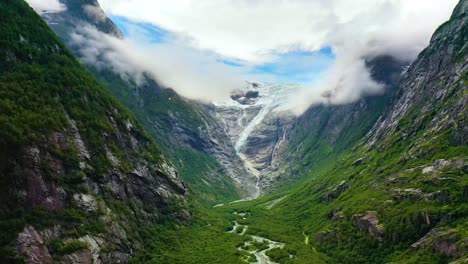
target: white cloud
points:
(346, 82)
(191, 73)
(41, 6)
(95, 13)
(254, 31)
(251, 29)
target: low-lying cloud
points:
(396, 28)
(254, 31)
(191, 73)
(95, 13)
(41, 6)
(204, 34)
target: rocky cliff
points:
(79, 174)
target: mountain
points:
(381, 180)
(204, 140)
(280, 147)
(189, 135)
(80, 11)
(79, 174)
(398, 194)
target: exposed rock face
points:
(212, 139)
(445, 242)
(234, 119)
(265, 143)
(85, 202)
(149, 187)
(82, 257)
(337, 217)
(336, 191)
(409, 193)
(37, 190)
(369, 223)
(441, 64)
(78, 11)
(32, 245)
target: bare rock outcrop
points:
(369, 223)
(445, 242)
(336, 191)
(31, 244)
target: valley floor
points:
(242, 232)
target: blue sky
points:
(298, 66)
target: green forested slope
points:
(77, 171)
(78, 174)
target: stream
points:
(248, 246)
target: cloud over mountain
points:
(46, 5)
(255, 34)
(257, 31)
(189, 72)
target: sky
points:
(205, 48)
(294, 66)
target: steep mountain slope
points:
(78, 173)
(79, 11)
(399, 195)
(188, 134)
(192, 137)
(324, 132)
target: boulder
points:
(85, 202)
(369, 224)
(444, 242)
(31, 244)
(338, 216)
(357, 162)
(335, 192)
(408, 193)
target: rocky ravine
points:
(256, 121)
